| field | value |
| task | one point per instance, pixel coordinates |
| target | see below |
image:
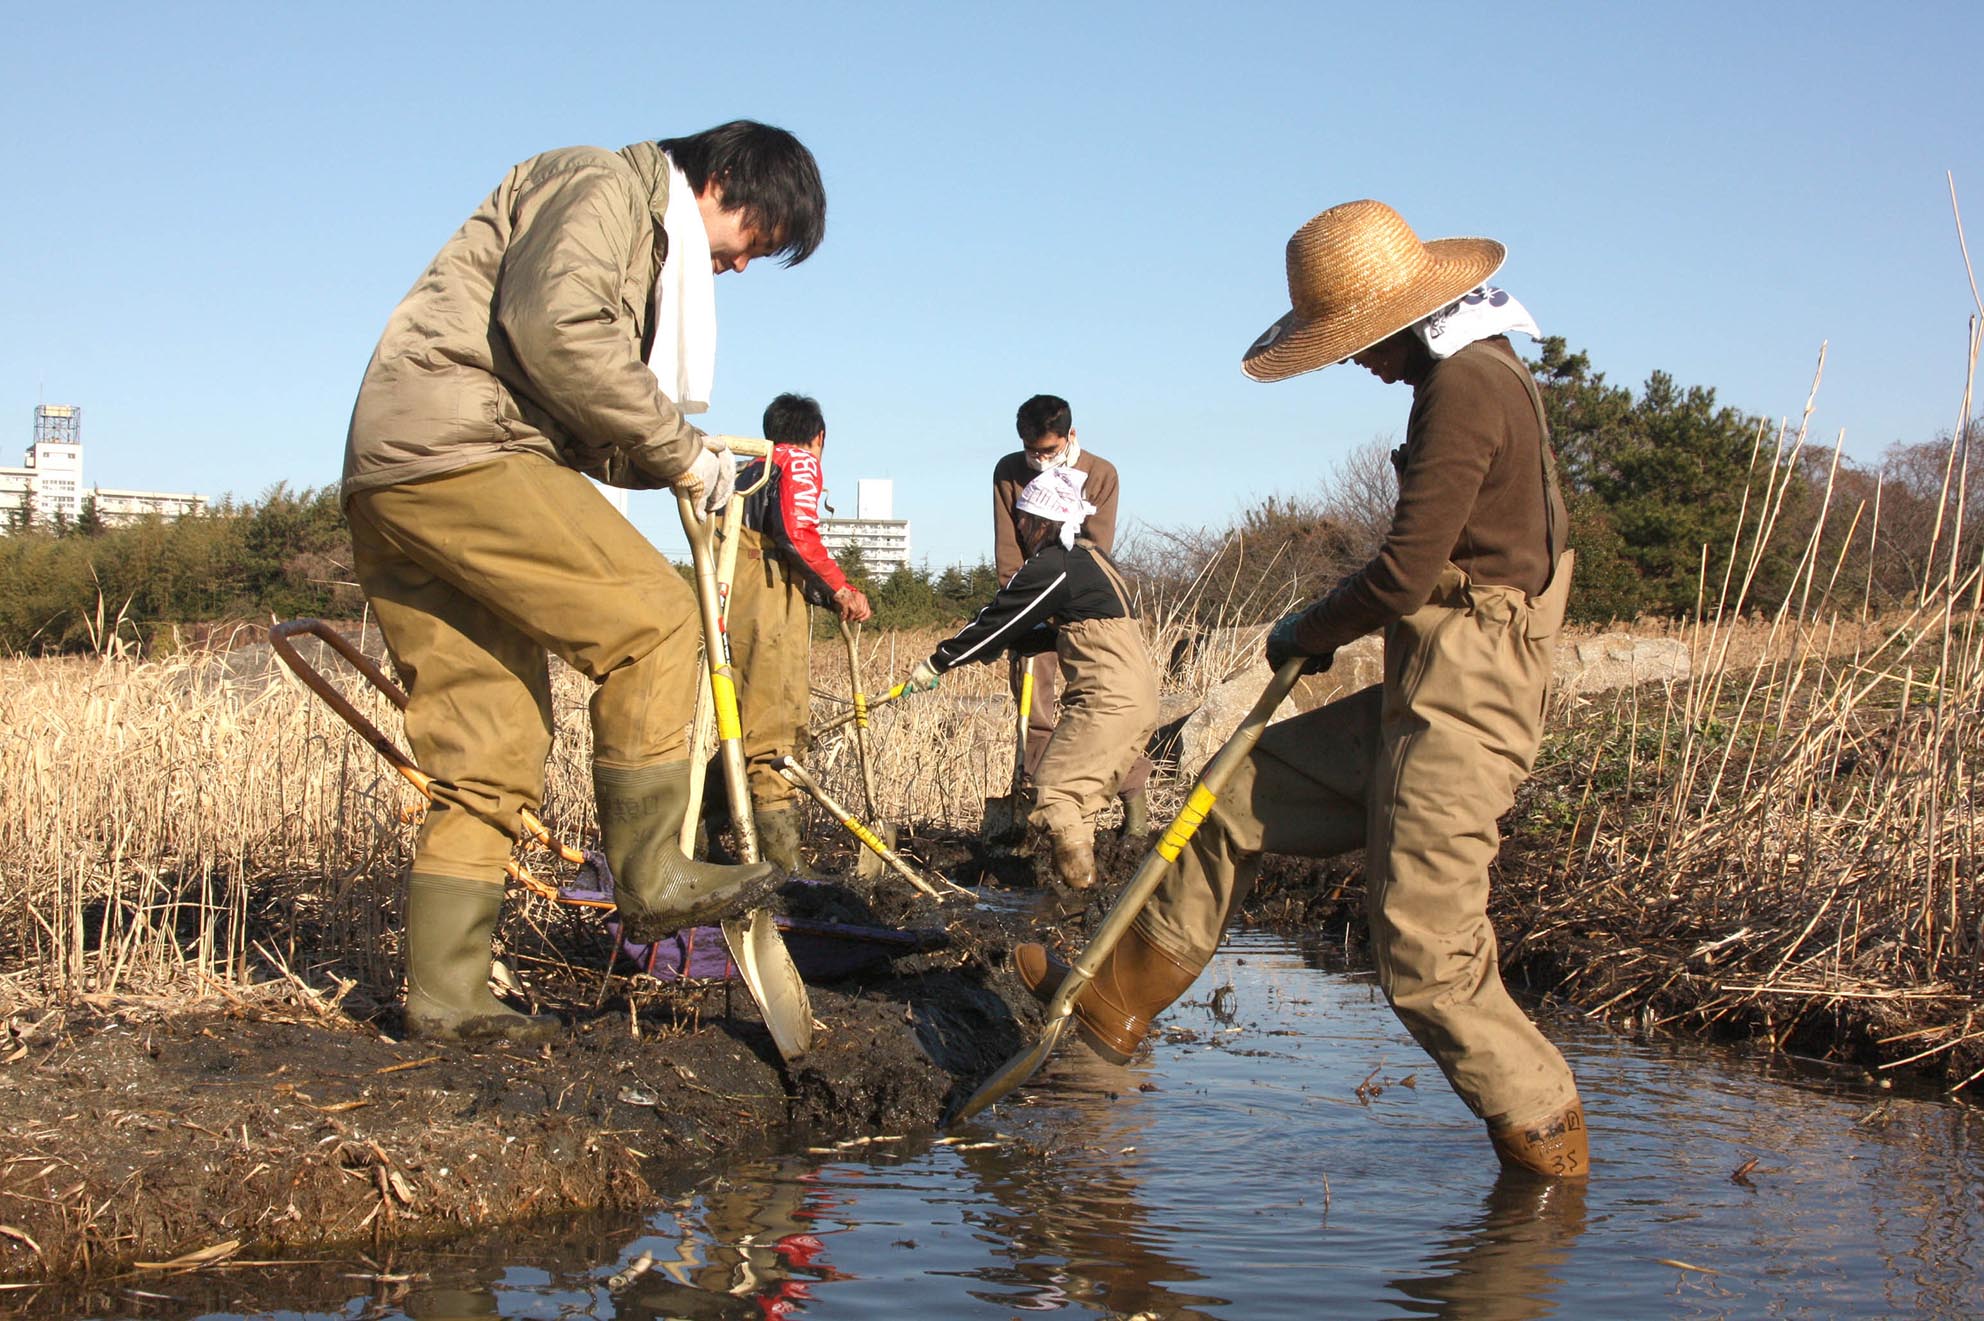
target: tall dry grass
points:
(1792, 837)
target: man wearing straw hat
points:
(561, 333)
(1469, 589)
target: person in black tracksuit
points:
(1068, 598)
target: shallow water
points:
(1288, 1152)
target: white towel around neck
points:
(683, 358)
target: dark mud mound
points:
(267, 1124)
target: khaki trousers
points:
(1043, 712)
(770, 650)
(1108, 709)
(476, 574)
(1416, 771)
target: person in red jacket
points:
(782, 567)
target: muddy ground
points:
(276, 1125)
(280, 1126)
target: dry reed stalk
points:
(1809, 850)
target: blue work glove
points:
(1282, 646)
(922, 679)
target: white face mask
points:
(1065, 459)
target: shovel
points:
(702, 737)
(755, 944)
(883, 851)
(285, 650)
(1212, 780)
(1005, 817)
(870, 861)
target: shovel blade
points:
(1012, 1073)
(1004, 820)
(768, 972)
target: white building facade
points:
(48, 488)
(882, 540)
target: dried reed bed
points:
(175, 826)
(1791, 839)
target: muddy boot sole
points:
(439, 1023)
(643, 926)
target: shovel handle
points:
(723, 681)
(314, 680)
(1212, 780)
(797, 775)
(846, 718)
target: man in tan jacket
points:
(1469, 588)
(1047, 440)
(541, 346)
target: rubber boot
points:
(1554, 1145)
(779, 830)
(1136, 816)
(1074, 860)
(656, 890)
(1136, 982)
(448, 925)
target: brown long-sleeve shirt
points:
(1472, 491)
(1009, 478)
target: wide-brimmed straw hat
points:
(1358, 274)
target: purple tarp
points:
(822, 951)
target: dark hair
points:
(793, 419)
(1032, 529)
(1044, 415)
(764, 172)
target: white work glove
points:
(710, 478)
(922, 679)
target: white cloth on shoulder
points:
(1056, 495)
(683, 358)
(1483, 313)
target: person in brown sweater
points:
(1469, 588)
(1047, 440)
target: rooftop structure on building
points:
(48, 488)
(882, 540)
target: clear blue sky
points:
(210, 209)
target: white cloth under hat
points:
(1480, 314)
(1056, 495)
(683, 358)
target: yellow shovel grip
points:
(727, 724)
(865, 835)
(1187, 824)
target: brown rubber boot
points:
(656, 890)
(448, 924)
(1074, 860)
(1136, 982)
(1553, 1145)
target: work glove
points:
(852, 604)
(710, 477)
(1282, 646)
(922, 679)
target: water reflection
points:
(1071, 1222)
(1505, 1263)
(1274, 1159)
